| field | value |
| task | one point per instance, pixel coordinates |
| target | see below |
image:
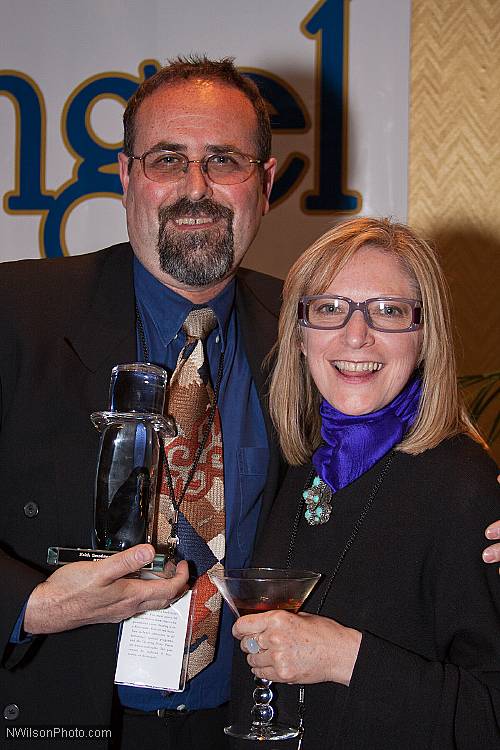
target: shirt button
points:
(31, 509)
(217, 339)
(11, 712)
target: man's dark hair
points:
(185, 68)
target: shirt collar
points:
(168, 310)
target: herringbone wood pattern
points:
(455, 160)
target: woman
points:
(400, 646)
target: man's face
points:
(192, 233)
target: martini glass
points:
(250, 591)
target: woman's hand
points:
(299, 648)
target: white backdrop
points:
(344, 64)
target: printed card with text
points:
(154, 647)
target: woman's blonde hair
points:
(294, 397)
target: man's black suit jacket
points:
(63, 325)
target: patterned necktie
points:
(201, 518)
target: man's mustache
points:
(194, 209)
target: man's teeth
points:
(190, 220)
(341, 364)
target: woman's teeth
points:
(342, 365)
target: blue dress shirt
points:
(246, 458)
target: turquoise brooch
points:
(318, 502)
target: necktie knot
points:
(199, 323)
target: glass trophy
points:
(132, 432)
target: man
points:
(65, 323)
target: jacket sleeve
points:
(18, 581)
(451, 700)
(437, 704)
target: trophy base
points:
(64, 555)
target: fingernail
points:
(488, 556)
(493, 533)
(143, 555)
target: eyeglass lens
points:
(224, 168)
(385, 314)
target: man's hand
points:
(86, 593)
(492, 553)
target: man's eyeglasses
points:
(386, 314)
(224, 168)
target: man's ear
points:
(267, 185)
(123, 161)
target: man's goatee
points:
(201, 256)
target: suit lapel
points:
(105, 330)
(99, 333)
(257, 304)
(258, 312)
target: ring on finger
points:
(252, 645)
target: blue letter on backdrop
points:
(327, 23)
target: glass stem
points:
(262, 711)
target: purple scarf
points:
(353, 444)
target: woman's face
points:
(339, 360)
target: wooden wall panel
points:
(454, 162)
(454, 170)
